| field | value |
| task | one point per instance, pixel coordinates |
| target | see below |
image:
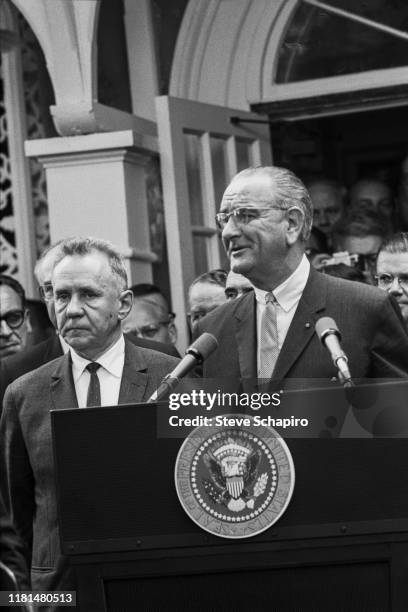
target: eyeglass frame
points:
(19, 311)
(392, 277)
(196, 316)
(236, 211)
(42, 291)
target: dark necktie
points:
(269, 339)
(93, 397)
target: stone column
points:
(96, 187)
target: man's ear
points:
(28, 322)
(172, 332)
(126, 302)
(295, 219)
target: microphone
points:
(328, 333)
(195, 355)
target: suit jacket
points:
(373, 336)
(27, 483)
(11, 553)
(15, 366)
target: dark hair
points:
(341, 270)
(214, 277)
(398, 243)
(142, 292)
(15, 285)
(85, 246)
(143, 289)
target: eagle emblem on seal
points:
(233, 468)
(234, 482)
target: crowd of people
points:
(292, 251)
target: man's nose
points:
(74, 307)
(395, 288)
(5, 330)
(230, 230)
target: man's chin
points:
(239, 265)
(76, 340)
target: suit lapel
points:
(53, 349)
(245, 332)
(62, 384)
(301, 330)
(134, 377)
(132, 387)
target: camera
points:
(343, 257)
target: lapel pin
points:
(307, 325)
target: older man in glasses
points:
(265, 217)
(14, 319)
(392, 270)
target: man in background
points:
(236, 285)
(392, 270)
(373, 195)
(328, 204)
(360, 234)
(205, 293)
(150, 317)
(14, 319)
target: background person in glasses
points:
(265, 217)
(14, 319)
(392, 270)
(150, 318)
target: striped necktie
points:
(269, 349)
(93, 397)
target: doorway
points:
(344, 147)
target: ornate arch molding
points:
(220, 56)
(66, 32)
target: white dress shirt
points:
(64, 345)
(109, 374)
(287, 296)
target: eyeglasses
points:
(13, 318)
(197, 315)
(46, 292)
(243, 215)
(386, 280)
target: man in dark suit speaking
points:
(265, 217)
(101, 368)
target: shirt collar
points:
(64, 345)
(112, 360)
(288, 293)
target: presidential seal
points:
(234, 482)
